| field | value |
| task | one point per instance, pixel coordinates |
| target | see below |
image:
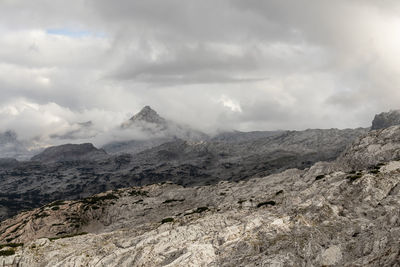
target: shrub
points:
(7, 252)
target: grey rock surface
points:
(70, 152)
(375, 147)
(76, 171)
(386, 119)
(295, 218)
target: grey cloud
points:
(248, 65)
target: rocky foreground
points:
(332, 214)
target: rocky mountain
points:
(70, 152)
(146, 115)
(76, 171)
(296, 218)
(186, 203)
(386, 119)
(375, 147)
(153, 130)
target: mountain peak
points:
(147, 114)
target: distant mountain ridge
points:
(70, 152)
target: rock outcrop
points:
(374, 148)
(386, 119)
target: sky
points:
(212, 64)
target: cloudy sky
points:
(213, 64)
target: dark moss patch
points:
(41, 215)
(173, 200)
(134, 192)
(67, 236)
(56, 203)
(241, 201)
(352, 178)
(198, 210)
(98, 199)
(266, 203)
(167, 220)
(11, 245)
(7, 252)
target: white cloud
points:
(247, 65)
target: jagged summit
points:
(386, 119)
(147, 114)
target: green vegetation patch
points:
(134, 192)
(98, 199)
(11, 245)
(67, 236)
(7, 252)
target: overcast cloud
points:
(229, 64)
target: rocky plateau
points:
(284, 198)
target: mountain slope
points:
(295, 218)
(69, 175)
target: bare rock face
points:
(147, 114)
(70, 152)
(386, 119)
(374, 148)
(295, 218)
